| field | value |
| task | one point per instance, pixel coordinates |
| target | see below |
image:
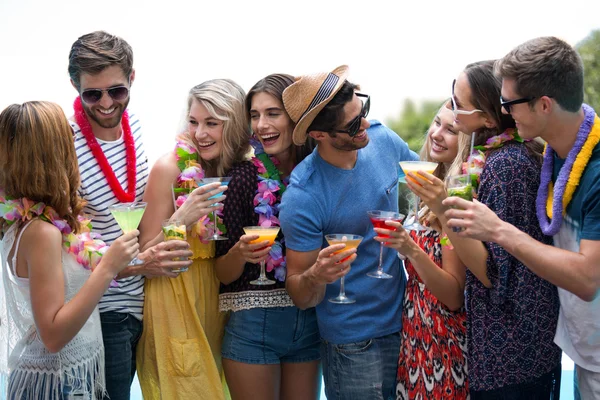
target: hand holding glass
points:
(264, 233)
(174, 229)
(378, 219)
(415, 166)
(350, 242)
(224, 181)
(128, 217)
(460, 186)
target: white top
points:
(29, 370)
(128, 296)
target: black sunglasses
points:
(508, 104)
(117, 93)
(354, 125)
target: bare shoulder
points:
(40, 237)
(166, 167)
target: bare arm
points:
(579, 273)
(39, 259)
(309, 272)
(230, 266)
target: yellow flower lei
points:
(578, 167)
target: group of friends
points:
(481, 303)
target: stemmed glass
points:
(264, 233)
(415, 166)
(128, 217)
(224, 181)
(351, 242)
(378, 219)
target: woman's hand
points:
(198, 204)
(398, 239)
(430, 189)
(253, 252)
(121, 252)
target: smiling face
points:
(206, 130)
(271, 123)
(343, 141)
(443, 137)
(107, 112)
(529, 124)
(462, 97)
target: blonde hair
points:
(224, 100)
(37, 158)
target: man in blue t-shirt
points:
(354, 169)
(542, 88)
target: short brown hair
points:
(37, 158)
(546, 66)
(93, 52)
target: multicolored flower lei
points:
(187, 181)
(554, 202)
(86, 246)
(266, 204)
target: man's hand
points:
(329, 267)
(476, 219)
(158, 259)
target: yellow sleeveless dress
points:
(179, 353)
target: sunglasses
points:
(354, 125)
(455, 109)
(117, 93)
(508, 104)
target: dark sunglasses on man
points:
(509, 103)
(354, 125)
(92, 96)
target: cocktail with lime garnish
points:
(264, 233)
(460, 186)
(174, 229)
(416, 166)
(128, 217)
(351, 242)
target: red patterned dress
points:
(432, 362)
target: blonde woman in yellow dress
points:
(179, 355)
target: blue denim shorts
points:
(272, 336)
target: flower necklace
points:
(86, 246)
(113, 182)
(187, 181)
(266, 204)
(554, 202)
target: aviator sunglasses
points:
(354, 125)
(92, 96)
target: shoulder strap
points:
(13, 266)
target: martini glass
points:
(378, 219)
(128, 216)
(264, 233)
(351, 242)
(224, 181)
(415, 166)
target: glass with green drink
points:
(174, 229)
(460, 186)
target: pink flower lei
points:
(86, 246)
(187, 181)
(266, 204)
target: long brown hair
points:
(37, 158)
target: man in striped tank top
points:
(114, 169)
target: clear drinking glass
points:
(415, 166)
(224, 181)
(264, 233)
(460, 186)
(351, 242)
(128, 216)
(175, 229)
(378, 219)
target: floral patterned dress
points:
(432, 362)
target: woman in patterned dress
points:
(432, 362)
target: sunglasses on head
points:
(354, 125)
(509, 103)
(455, 109)
(92, 96)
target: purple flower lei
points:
(266, 202)
(551, 228)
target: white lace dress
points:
(28, 369)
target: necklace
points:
(85, 246)
(269, 190)
(113, 182)
(553, 201)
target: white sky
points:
(395, 49)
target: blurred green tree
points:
(413, 121)
(589, 49)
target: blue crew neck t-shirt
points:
(322, 199)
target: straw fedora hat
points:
(306, 97)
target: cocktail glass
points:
(224, 181)
(128, 216)
(460, 186)
(415, 166)
(351, 242)
(174, 229)
(264, 233)
(378, 219)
